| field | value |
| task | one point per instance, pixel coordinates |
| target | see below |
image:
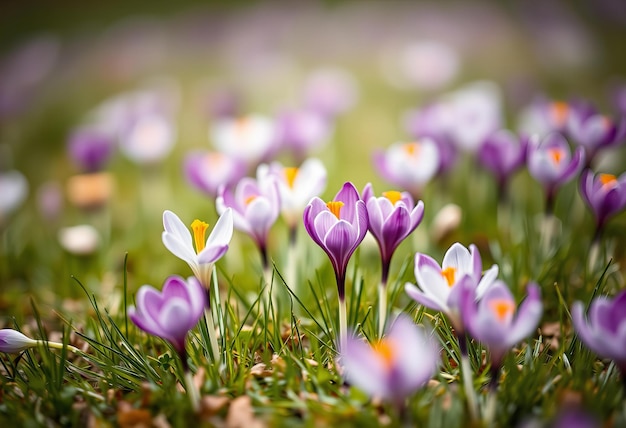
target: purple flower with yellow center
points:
(207, 171)
(551, 162)
(604, 329)
(338, 227)
(177, 238)
(605, 194)
(256, 207)
(409, 165)
(394, 367)
(503, 153)
(392, 217)
(170, 314)
(592, 130)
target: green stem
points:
(208, 316)
(343, 324)
(468, 384)
(382, 308)
(57, 345)
(192, 391)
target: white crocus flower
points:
(200, 259)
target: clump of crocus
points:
(440, 288)
(177, 238)
(551, 162)
(256, 207)
(497, 322)
(392, 217)
(170, 315)
(338, 227)
(394, 367)
(604, 331)
(503, 153)
(409, 165)
(14, 342)
(605, 194)
(207, 171)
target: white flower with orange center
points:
(249, 138)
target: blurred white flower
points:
(80, 240)
(249, 138)
(13, 191)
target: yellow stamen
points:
(250, 199)
(335, 207)
(385, 350)
(607, 179)
(411, 148)
(449, 273)
(290, 175)
(556, 154)
(393, 195)
(502, 308)
(199, 229)
(560, 111)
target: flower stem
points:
(468, 383)
(292, 260)
(57, 345)
(382, 307)
(192, 391)
(343, 324)
(492, 398)
(208, 316)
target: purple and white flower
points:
(605, 194)
(207, 171)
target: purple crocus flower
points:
(338, 227)
(330, 91)
(170, 314)
(256, 207)
(409, 165)
(593, 131)
(394, 367)
(604, 332)
(605, 194)
(13, 341)
(551, 162)
(392, 217)
(503, 153)
(302, 131)
(494, 320)
(207, 171)
(90, 148)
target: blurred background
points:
(69, 67)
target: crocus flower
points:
(392, 217)
(13, 191)
(148, 138)
(14, 342)
(338, 227)
(296, 186)
(503, 153)
(177, 238)
(330, 91)
(80, 240)
(248, 138)
(551, 162)
(302, 131)
(604, 331)
(439, 285)
(495, 319)
(170, 314)
(90, 148)
(256, 207)
(543, 117)
(605, 194)
(207, 171)
(408, 165)
(394, 367)
(593, 130)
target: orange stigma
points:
(199, 229)
(411, 148)
(502, 308)
(250, 199)
(335, 207)
(290, 175)
(385, 350)
(556, 154)
(393, 195)
(449, 273)
(607, 180)
(560, 111)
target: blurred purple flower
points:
(90, 148)
(394, 367)
(543, 117)
(13, 342)
(338, 227)
(408, 165)
(392, 217)
(207, 171)
(330, 92)
(495, 319)
(551, 162)
(169, 314)
(256, 207)
(604, 331)
(439, 286)
(302, 132)
(605, 195)
(148, 139)
(503, 153)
